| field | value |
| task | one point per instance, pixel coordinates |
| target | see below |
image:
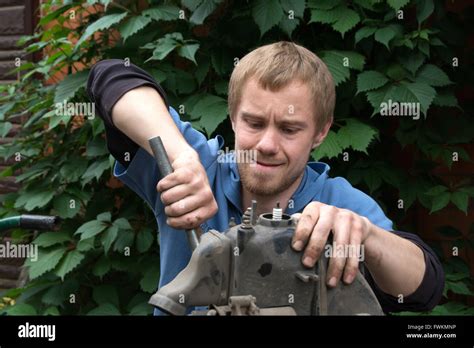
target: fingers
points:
(175, 194)
(306, 222)
(319, 236)
(352, 263)
(190, 220)
(337, 261)
(181, 176)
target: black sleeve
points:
(108, 81)
(428, 293)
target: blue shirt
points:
(142, 176)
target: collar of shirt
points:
(308, 190)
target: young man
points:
(281, 103)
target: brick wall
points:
(16, 19)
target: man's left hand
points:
(349, 229)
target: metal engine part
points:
(251, 269)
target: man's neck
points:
(265, 204)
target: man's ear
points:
(232, 122)
(321, 135)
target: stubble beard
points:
(261, 184)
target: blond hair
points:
(278, 64)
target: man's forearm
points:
(142, 114)
(397, 265)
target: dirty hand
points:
(349, 229)
(186, 194)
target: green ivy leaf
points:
(105, 293)
(90, 229)
(85, 244)
(191, 4)
(105, 217)
(297, 6)
(133, 25)
(445, 99)
(106, 309)
(122, 224)
(329, 148)
(369, 80)
(140, 309)
(149, 281)
(440, 201)
(212, 110)
(72, 170)
(51, 311)
(288, 25)
(72, 260)
(412, 61)
(22, 309)
(95, 170)
(5, 128)
(163, 13)
(323, 4)
(96, 147)
(101, 267)
(436, 190)
(461, 200)
(164, 46)
(101, 24)
(424, 9)
(68, 87)
(54, 295)
(433, 76)
(363, 33)
(372, 179)
(397, 4)
(356, 135)
(47, 239)
(469, 190)
(108, 237)
(124, 240)
(386, 34)
(66, 206)
(267, 14)
(203, 11)
(339, 63)
(188, 51)
(341, 18)
(47, 260)
(144, 240)
(458, 288)
(423, 93)
(348, 20)
(33, 199)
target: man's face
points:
(281, 128)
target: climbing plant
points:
(105, 258)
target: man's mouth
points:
(266, 164)
(267, 167)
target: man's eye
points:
(255, 125)
(289, 130)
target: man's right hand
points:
(186, 193)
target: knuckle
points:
(313, 250)
(357, 225)
(214, 207)
(344, 214)
(352, 269)
(170, 210)
(316, 204)
(305, 219)
(208, 194)
(189, 220)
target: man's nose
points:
(268, 143)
